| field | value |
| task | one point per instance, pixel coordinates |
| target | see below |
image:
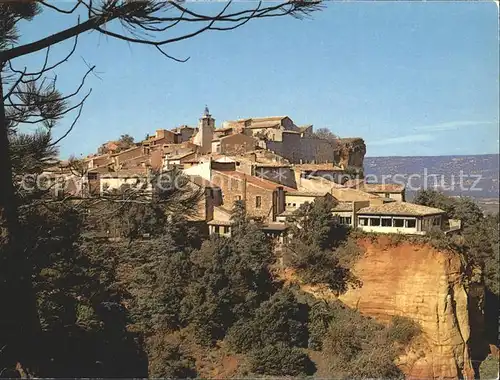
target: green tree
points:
(232, 277)
(280, 319)
(314, 223)
(281, 360)
(239, 219)
(325, 134)
(317, 234)
(126, 140)
(30, 96)
(168, 360)
(462, 208)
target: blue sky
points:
(411, 78)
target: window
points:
(238, 197)
(387, 195)
(217, 230)
(386, 222)
(258, 201)
(411, 223)
(437, 221)
(226, 229)
(398, 223)
(363, 221)
(347, 220)
(92, 176)
(375, 222)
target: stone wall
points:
(299, 149)
(233, 189)
(237, 144)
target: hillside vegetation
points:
(181, 305)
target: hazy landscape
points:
(485, 191)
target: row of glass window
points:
(387, 222)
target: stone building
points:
(282, 136)
(264, 199)
(235, 144)
(203, 138)
(400, 217)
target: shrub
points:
(168, 360)
(281, 319)
(243, 335)
(358, 347)
(376, 362)
(402, 330)
(318, 266)
(488, 369)
(281, 360)
(320, 316)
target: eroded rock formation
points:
(428, 286)
(350, 152)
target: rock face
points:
(350, 152)
(428, 286)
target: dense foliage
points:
(131, 299)
(318, 242)
(480, 233)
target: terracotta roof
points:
(126, 150)
(374, 187)
(383, 187)
(268, 118)
(400, 208)
(351, 195)
(257, 119)
(274, 227)
(178, 156)
(268, 164)
(93, 157)
(314, 167)
(262, 183)
(264, 124)
(223, 129)
(312, 181)
(354, 183)
(308, 193)
(343, 206)
(142, 172)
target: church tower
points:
(205, 134)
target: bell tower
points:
(206, 126)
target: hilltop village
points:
(270, 163)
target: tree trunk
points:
(19, 325)
(8, 203)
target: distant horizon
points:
(438, 155)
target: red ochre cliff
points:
(428, 286)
